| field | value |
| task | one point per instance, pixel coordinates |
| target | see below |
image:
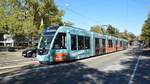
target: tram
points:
(60, 44)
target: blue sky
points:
(122, 14)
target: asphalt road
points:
(124, 67)
(12, 59)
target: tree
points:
(146, 30)
(97, 29)
(112, 31)
(15, 20)
(23, 17)
(123, 35)
(10, 15)
(127, 35)
(146, 33)
(46, 10)
(131, 37)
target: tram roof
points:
(80, 31)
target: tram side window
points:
(126, 43)
(116, 43)
(103, 42)
(97, 45)
(80, 42)
(123, 44)
(110, 44)
(120, 43)
(101, 45)
(73, 42)
(87, 42)
(60, 41)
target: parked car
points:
(30, 52)
(11, 49)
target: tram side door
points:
(79, 47)
(59, 50)
(73, 50)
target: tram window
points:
(80, 42)
(120, 43)
(110, 44)
(87, 42)
(97, 45)
(103, 42)
(60, 41)
(116, 42)
(126, 43)
(73, 42)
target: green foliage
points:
(127, 35)
(131, 36)
(146, 31)
(23, 17)
(124, 35)
(97, 29)
(45, 9)
(112, 31)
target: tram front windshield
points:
(46, 40)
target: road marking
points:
(134, 71)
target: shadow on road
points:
(142, 75)
(78, 73)
(143, 72)
(146, 53)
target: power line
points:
(81, 15)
